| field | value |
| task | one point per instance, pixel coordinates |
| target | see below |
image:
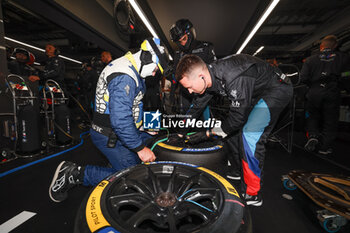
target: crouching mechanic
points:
(117, 119)
(258, 93)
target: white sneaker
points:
(253, 200)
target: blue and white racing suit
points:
(118, 110)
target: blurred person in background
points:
(321, 72)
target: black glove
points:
(197, 137)
(175, 139)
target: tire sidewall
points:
(228, 220)
(213, 157)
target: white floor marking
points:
(14, 222)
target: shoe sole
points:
(54, 180)
(233, 177)
(255, 203)
(311, 144)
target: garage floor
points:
(27, 190)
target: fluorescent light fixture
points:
(257, 26)
(70, 59)
(39, 49)
(27, 45)
(145, 20)
(143, 17)
(258, 51)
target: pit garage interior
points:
(82, 29)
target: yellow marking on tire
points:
(94, 216)
(170, 147)
(230, 189)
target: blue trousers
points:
(120, 157)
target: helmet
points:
(31, 59)
(179, 29)
(153, 54)
(22, 51)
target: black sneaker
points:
(66, 176)
(325, 152)
(311, 144)
(233, 174)
(253, 200)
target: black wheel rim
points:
(164, 198)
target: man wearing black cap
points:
(20, 65)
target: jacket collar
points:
(214, 80)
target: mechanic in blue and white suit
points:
(117, 119)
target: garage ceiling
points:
(74, 29)
(289, 34)
(222, 22)
(295, 28)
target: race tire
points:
(211, 156)
(131, 201)
(247, 224)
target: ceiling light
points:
(39, 49)
(258, 51)
(27, 45)
(145, 20)
(70, 59)
(257, 26)
(143, 17)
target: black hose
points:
(81, 107)
(63, 131)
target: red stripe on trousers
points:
(252, 181)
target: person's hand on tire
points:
(146, 155)
(175, 139)
(198, 137)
